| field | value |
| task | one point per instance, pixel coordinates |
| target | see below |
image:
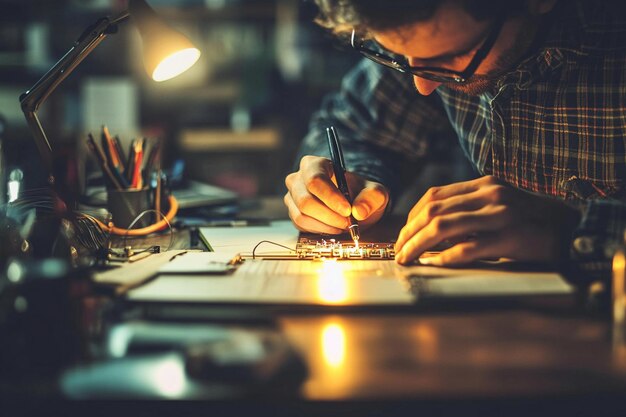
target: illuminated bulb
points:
(175, 64)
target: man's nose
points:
(424, 86)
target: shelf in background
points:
(201, 140)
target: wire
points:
(136, 219)
(165, 222)
(273, 243)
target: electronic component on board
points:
(308, 248)
(314, 248)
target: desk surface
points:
(487, 354)
(532, 347)
(548, 349)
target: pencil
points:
(130, 164)
(154, 153)
(120, 153)
(137, 181)
(101, 158)
(115, 157)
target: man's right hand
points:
(316, 205)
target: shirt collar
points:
(576, 30)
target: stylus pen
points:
(339, 166)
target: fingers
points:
(504, 222)
(309, 205)
(447, 191)
(307, 223)
(370, 202)
(316, 174)
(487, 219)
(313, 194)
(466, 202)
(490, 246)
(315, 203)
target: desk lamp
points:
(167, 53)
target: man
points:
(536, 93)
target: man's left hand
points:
(487, 219)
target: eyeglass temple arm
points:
(481, 54)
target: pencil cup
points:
(126, 205)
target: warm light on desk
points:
(334, 345)
(618, 290)
(332, 284)
(426, 341)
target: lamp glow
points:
(167, 53)
(175, 64)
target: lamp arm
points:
(38, 93)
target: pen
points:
(115, 157)
(100, 156)
(130, 162)
(339, 166)
(120, 153)
(112, 159)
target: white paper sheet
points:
(244, 239)
(200, 263)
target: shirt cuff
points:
(597, 237)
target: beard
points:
(478, 84)
(481, 83)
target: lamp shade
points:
(167, 52)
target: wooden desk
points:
(547, 353)
(463, 355)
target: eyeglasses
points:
(432, 73)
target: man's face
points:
(451, 38)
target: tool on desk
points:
(137, 180)
(127, 180)
(121, 171)
(112, 157)
(339, 167)
(102, 161)
(154, 159)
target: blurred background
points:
(235, 119)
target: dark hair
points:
(378, 15)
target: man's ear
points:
(540, 6)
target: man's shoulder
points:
(602, 25)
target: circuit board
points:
(310, 248)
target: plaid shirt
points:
(555, 124)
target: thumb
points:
(372, 199)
